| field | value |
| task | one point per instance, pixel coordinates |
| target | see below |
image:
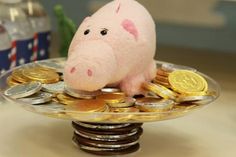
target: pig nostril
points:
(90, 73)
(72, 70)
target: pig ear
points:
(130, 27)
(118, 8)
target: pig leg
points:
(133, 85)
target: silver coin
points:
(23, 90)
(172, 67)
(106, 137)
(114, 145)
(54, 88)
(155, 104)
(128, 103)
(110, 90)
(105, 127)
(81, 94)
(195, 99)
(38, 98)
(51, 65)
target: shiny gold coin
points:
(18, 76)
(187, 82)
(66, 99)
(162, 79)
(160, 90)
(94, 105)
(112, 98)
(43, 76)
(11, 81)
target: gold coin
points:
(162, 78)
(161, 72)
(66, 99)
(43, 76)
(18, 76)
(160, 90)
(11, 81)
(94, 105)
(161, 83)
(187, 82)
(112, 98)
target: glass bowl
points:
(109, 117)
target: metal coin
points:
(38, 98)
(104, 127)
(43, 76)
(11, 81)
(154, 104)
(52, 65)
(112, 98)
(81, 94)
(127, 103)
(54, 88)
(161, 72)
(18, 76)
(23, 90)
(172, 67)
(160, 90)
(66, 99)
(197, 99)
(187, 82)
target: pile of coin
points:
(41, 83)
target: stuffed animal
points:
(113, 47)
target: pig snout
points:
(91, 66)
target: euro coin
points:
(54, 88)
(23, 90)
(187, 82)
(43, 76)
(160, 90)
(154, 104)
(38, 98)
(112, 98)
(94, 105)
(127, 103)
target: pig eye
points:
(104, 31)
(86, 32)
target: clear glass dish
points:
(109, 117)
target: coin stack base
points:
(107, 139)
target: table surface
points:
(210, 132)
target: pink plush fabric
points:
(115, 46)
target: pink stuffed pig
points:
(113, 47)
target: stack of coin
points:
(164, 71)
(107, 139)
